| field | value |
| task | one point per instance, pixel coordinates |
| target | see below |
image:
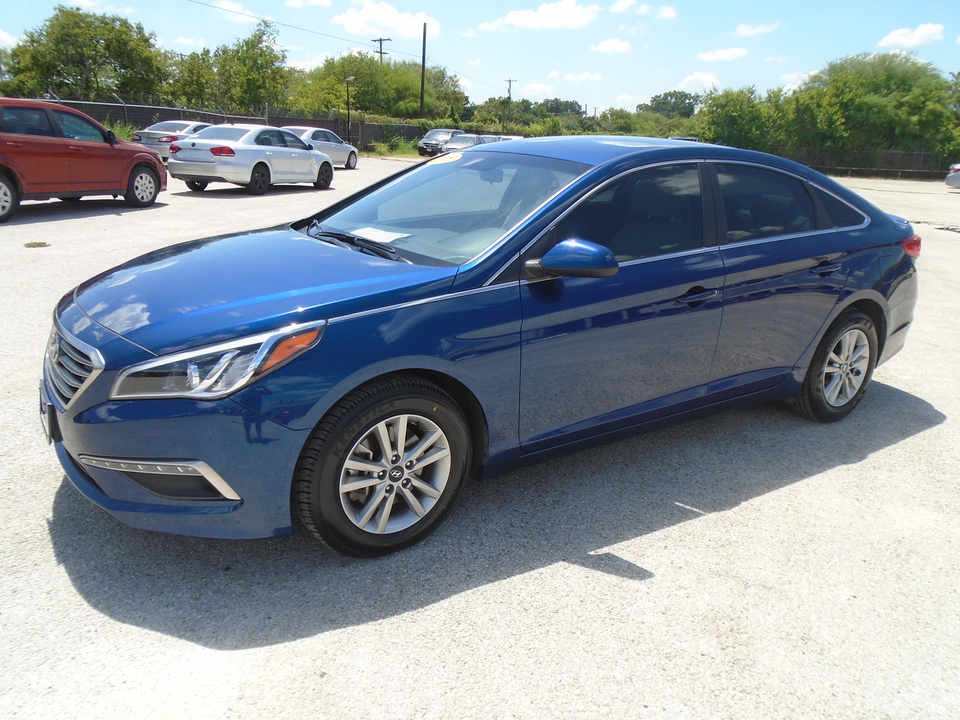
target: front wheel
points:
(383, 468)
(841, 369)
(351, 163)
(324, 177)
(9, 198)
(196, 185)
(259, 180)
(142, 188)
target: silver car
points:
(159, 135)
(255, 156)
(340, 151)
(953, 177)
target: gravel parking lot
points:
(748, 565)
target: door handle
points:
(823, 270)
(701, 295)
(75, 147)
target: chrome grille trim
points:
(69, 364)
(195, 468)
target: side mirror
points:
(309, 146)
(111, 137)
(576, 258)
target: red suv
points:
(52, 151)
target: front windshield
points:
(451, 209)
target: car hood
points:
(219, 288)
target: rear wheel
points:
(324, 177)
(9, 198)
(196, 185)
(351, 161)
(259, 180)
(841, 369)
(142, 188)
(383, 468)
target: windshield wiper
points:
(342, 239)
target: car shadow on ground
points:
(44, 211)
(243, 594)
(227, 191)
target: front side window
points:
(77, 128)
(26, 121)
(652, 212)
(449, 210)
(292, 141)
(759, 203)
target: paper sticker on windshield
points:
(379, 235)
(452, 157)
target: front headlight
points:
(216, 371)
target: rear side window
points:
(27, 121)
(760, 203)
(839, 214)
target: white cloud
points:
(725, 55)
(381, 17)
(560, 15)
(7, 40)
(698, 82)
(309, 63)
(905, 37)
(630, 102)
(101, 7)
(792, 81)
(305, 3)
(469, 33)
(613, 45)
(776, 59)
(473, 63)
(664, 12)
(538, 91)
(235, 12)
(581, 77)
(191, 42)
(754, 30)
(553, 74)
(464, 82)
(622, 5)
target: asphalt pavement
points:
(747, 565)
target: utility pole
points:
(509, 88)
(423, 70)
(380, 52)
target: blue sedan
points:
(483, 308)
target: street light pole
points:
(348, 81)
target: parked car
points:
(432, 143)
(471, 312)
(953, 177)
(326, 141)
(53, 151)
(159, 135)
(255, 156)
(461, 142)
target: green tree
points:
(86, 56)
(735, 117)
(251, 72)
(672, 104)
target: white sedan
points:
(340, 151)
(255, 156)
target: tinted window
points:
(760, 203)
(838, 212)
(293, 141)
(170, 126)
(330, 137)
(77, 128)
(221, 133)
(270, 138)
(26, 121)
(651, 212)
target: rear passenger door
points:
(783, 275)
(30, 143)
(274, 151)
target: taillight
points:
(223, 151)
(167, 138)
(911, 246)
(174, 148)
(136, 138)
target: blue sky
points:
(615, 53)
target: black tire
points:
(387, 509)
(9, 198)
(351, 163)
(259, 180)
(142, 187)
(196, 185)
(841, 369)
(324, 177)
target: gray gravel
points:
(749, 565)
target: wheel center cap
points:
(396, 473)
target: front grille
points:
(69, 365)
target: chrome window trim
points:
(593, 191)
(192, 468)
(96, 360)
